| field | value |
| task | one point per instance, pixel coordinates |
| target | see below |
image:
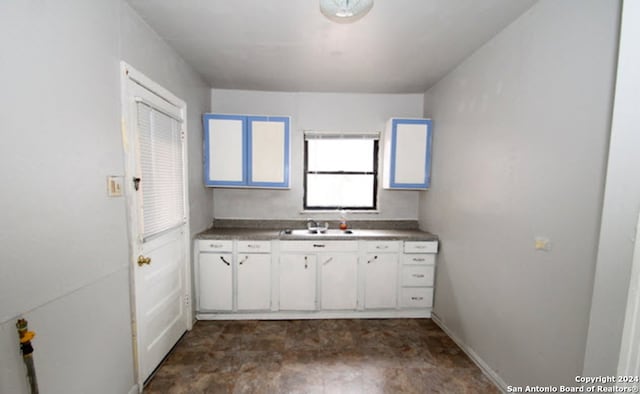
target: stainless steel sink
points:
(318, 234)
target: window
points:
(161, 170)
(341, 171)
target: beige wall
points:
(521, 130)
(64, 244)
(313, 111)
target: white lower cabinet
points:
(215, 277)
(254, 281)
(338, 281)
(315, 278)
(418, 274)
(380, 280)
(297, 282)
(416, 297)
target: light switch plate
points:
(114, 185)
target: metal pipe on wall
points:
(27, 352)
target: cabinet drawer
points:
(213, 245)
(421, 247)
(421, 297)
(254, 246)
(417, 275)
(429, 259)
(383, 246)
(319, 246)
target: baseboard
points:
(287, 315)
(134, 389)
(484, 367)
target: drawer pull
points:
(319, 245)
(417, 298)
(253, 246)
(382, 246)
(215, 246)
(224, 261)
(418, 259)
(421, 246)
(418, 275)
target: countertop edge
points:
(276, 234)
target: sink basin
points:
(313, 234)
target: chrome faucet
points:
(312, 224)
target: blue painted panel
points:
(427, 162)
(207, 176)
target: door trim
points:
(128, 76)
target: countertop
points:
(268, 230)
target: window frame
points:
(374, 207)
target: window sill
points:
(307, 211)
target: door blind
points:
(161, 171)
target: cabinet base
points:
(296, 315)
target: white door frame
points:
(130, 75)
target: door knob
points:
(143, 260)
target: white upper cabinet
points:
(246, 151)
(407, 154)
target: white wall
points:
(621, 206)
(64, 244)
(520, 139)
(313, 111)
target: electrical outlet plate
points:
(114, 185)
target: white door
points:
(215, 277)
(268, 150)
(411, 142)
(297, 282)
(339, 280)
(155, 176)
(381, 272)
(254, 281)
(225, 139)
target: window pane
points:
(340, 155)
(339, 190)
(161, 171)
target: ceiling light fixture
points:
(345, 11)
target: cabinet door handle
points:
(305, 262)
(373, 259)
(243, 260)
(224, 261)
(328, 261)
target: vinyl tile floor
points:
(318, 356)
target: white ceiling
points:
(401, 46)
